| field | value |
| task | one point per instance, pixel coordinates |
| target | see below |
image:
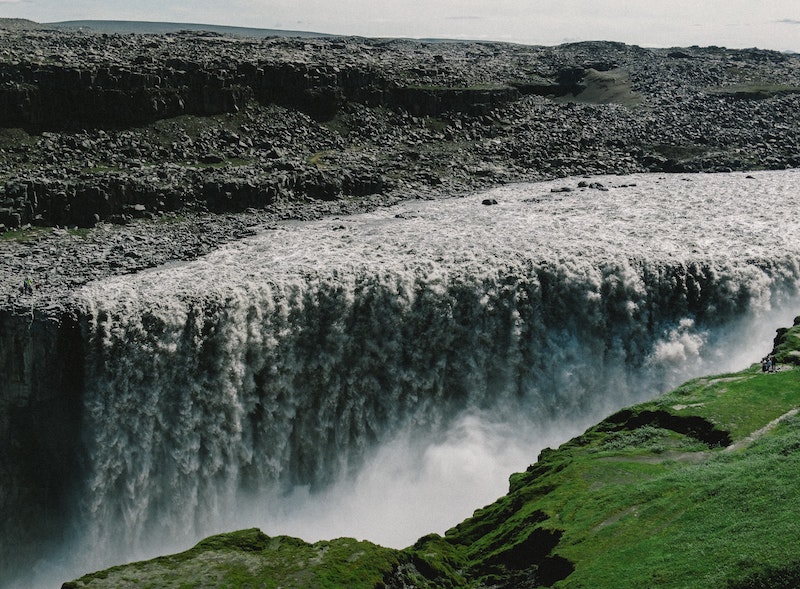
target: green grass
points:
(24, 235)
(738, 403)
(681, 514)
(690, 525)
(640, 504)
(249, 559)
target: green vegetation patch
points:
(738, 403)
(24, 235)
(690, 490)
(249, 559)
(787, 344)
(34, 233)
(705, 524)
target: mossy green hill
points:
(696, 488)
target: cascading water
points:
(309, 356)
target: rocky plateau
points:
(124, 151)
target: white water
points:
(380, 376)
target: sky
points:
(768, 24)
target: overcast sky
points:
(768, 24)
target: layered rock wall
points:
(113, 127)
(40, 414)
(37, 96)
(49, 96)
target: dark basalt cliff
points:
(98, 127)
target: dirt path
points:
(758, 433)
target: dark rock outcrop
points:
(40, 359)
(697, 427)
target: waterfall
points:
(289, 360)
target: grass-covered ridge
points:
(250, 558)
(696, 488)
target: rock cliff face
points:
(41, 363)
(132, 87)
(99, 127)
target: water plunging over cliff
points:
(302, 359)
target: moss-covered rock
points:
(787, 344)
(250, 558)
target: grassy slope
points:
(250, 558)
(687, 490)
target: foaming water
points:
(380, 376)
